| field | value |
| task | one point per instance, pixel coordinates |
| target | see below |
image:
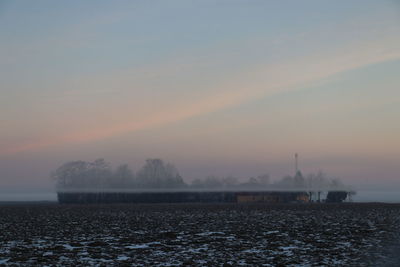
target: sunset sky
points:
(215, 87)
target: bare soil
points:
(200, 234)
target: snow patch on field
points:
(4, 261)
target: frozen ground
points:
(199, 234)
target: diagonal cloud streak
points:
(259, 83)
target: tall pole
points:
(296, 156)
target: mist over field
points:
(223, 89)
(200, 133)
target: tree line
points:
(156, 174)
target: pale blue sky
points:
(216, 87)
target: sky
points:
(215, 87)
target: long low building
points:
(184, 196)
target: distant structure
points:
(184, 197)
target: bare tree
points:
(156, 174)
(263, 179)
(70, 174)
(122, 177)
(82, 174)
(229, 181)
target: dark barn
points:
(183, 197)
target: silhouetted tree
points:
(263, 179)
(156, 174)
(70, 174)
(229, 181)
(82, 174)
(123, 177)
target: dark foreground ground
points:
(200, 235)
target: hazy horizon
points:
(224, 88)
